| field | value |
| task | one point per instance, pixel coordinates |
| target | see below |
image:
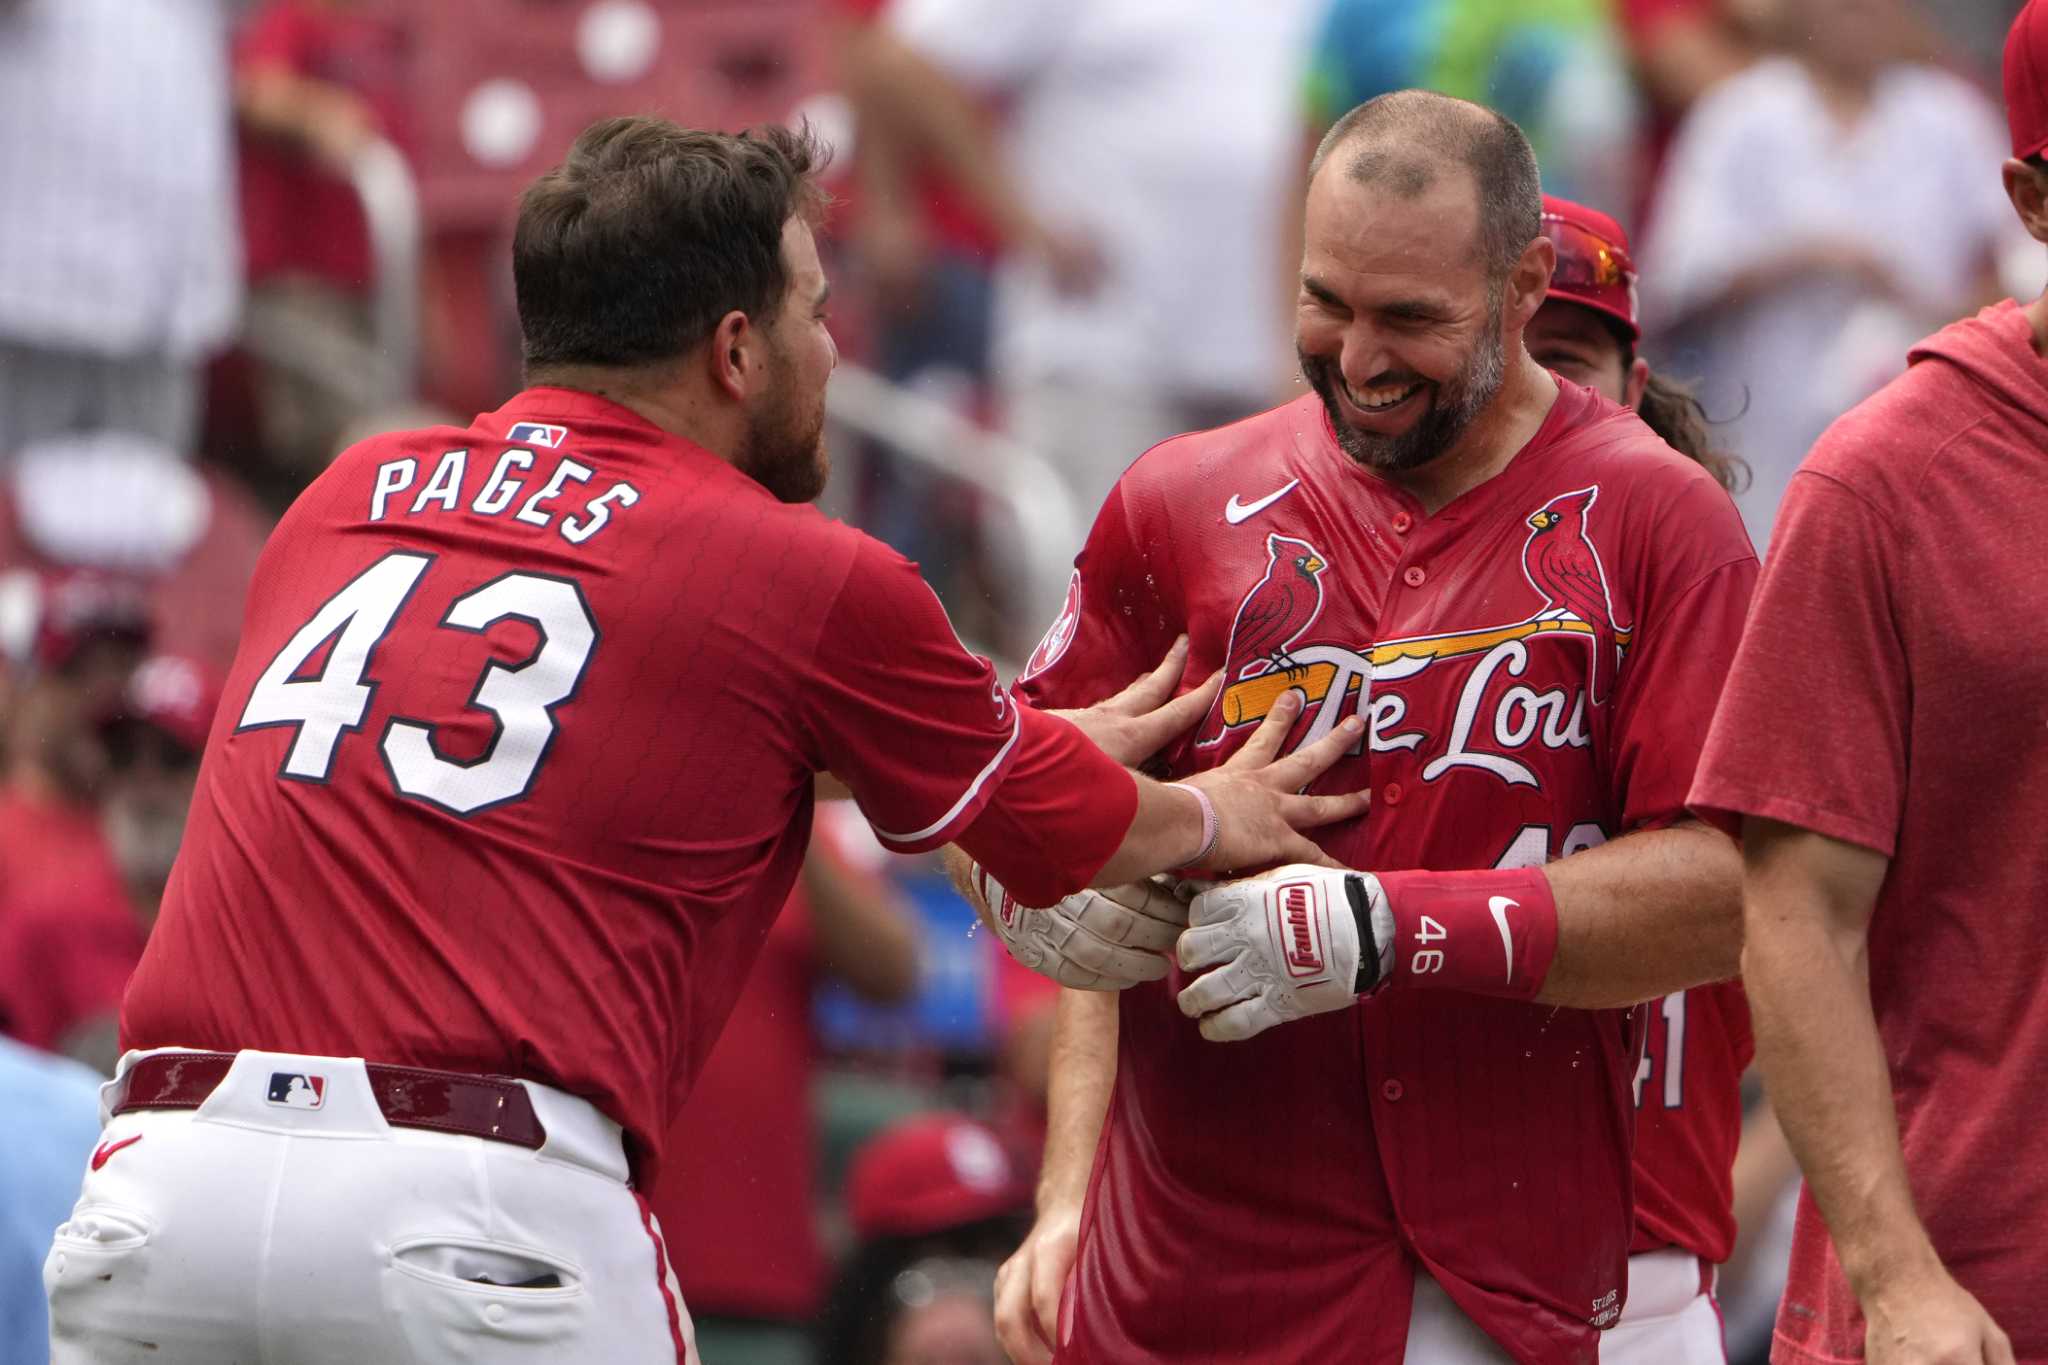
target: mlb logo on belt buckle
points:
(296, 1091)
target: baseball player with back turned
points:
(1532, 600)
(514, 768)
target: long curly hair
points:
(1673, 411)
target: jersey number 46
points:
(521, 697)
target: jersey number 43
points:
(521, 697)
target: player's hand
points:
(1931, 1321)
(1093, 940)
(1280, 946)
(1029, 1285)
(1260, 810)
(1145, 717)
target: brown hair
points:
(1673, 411)
(631, 250)
(1405, 136)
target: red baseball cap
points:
(2026, 79)
(176, 695)
(1594, 268)
(930, 1173)
(47, 615)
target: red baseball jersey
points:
(1536, 664)
(514, 766)
(1888, 693)
(1696, 1046)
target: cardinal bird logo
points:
(1274, 615)
(1560, 562)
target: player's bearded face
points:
(1453, 402)
(784, 446)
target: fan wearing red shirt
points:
(1533, 601)
(512, 770)
(1881, 746)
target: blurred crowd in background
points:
(237, 235)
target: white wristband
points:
(1212, 830)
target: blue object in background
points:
(953, 1007)
(51, 1109)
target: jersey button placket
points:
(1414, 576)
(1403, 523)
(1391, 1091)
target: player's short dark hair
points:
(1400, 142)
(631, 250)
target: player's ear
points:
(733, 354)
(1527, 284)
(2027, 187)
(1634, 382)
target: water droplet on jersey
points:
(972, 925)
(1528, 1054)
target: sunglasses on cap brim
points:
(1586, 260)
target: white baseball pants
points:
(1669, 1318)
(251, 1231)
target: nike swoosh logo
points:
(1235, 511)
(1499, 906)
(107, 1149)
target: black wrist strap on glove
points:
(1368, 950)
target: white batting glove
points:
(1094, 940)
(1283, 945)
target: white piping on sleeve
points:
(967, 797)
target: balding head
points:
(1403, 143)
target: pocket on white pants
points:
(434, 1288)
(94, 1277)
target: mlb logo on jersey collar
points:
(536, 434)
(296, 1090)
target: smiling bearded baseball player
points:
(1533, 602)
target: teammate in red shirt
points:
(1881, 747)
(1533, 602)
(511, 773)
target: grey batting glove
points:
(1296, 941)
(1094, 940)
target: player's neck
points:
(1491, 443)
(663, 403)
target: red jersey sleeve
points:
(1115, 624)
(1679, 663)
(920, 730)
(1812, 729)
(924, 735)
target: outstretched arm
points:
(1808, 902)
(1645, 915)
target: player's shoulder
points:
(1971, 388)
(1602, 438)
(1666, 505)
(1200, 467)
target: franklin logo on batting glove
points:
(1282, 946)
